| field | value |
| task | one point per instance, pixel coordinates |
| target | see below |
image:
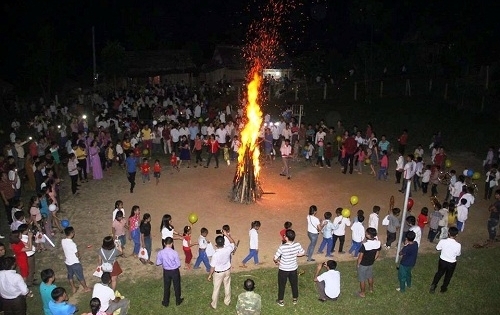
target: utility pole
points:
(93, 58)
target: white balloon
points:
(52, 207)
(465, 172)
(154, 122)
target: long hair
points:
(95, 305)
(132, 212)
(145, 217)
(165, 222)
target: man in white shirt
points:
(450, 250)
(320, 136)
(221, 268)
(339, 233)
(174, 136)
(328, 283)
(286, 154)
(72, 260)
(220, 135)
(411, 221)
(13, 289)
(408, 172)
(109, 303)
(456, 190)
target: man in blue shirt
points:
(169, 259)
(58, 305)
(46, 288)
(408, 260)
(131, 163)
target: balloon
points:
(339, 138)
(368, 161)
(64, 223)
(155, 122)
(346, 213)
(145, 152)
(447, 163)
(193, 218)
(200, 120)
(409, 204)
(354, 200)
(52, 207)
(465, 172)
(476, 175)
(470, 173)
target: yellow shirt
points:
(146, 134)
(80, 154)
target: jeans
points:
(328, 242)
(416, 182)
(341, 239)
(460, 226)
(291, 276)
(215, 156)
(135, 235)
(492, 228)
(254, 253)
(382, 172)
(444, 268)
(202, 257)
(355, 247)
(123, 240)
(313, 238)
(147, 245)
(404, 277)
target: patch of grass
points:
(473, 289)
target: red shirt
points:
(403, 139)
(214, 146)
(157, 168)
(282, 233)
(21, 258)
(173, 160)
(137, 151)
(350, 145)
(145, 168)
(422, 220)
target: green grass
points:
(473, 289)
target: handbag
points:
(106, 266)
(385, 221)
(143, 253)
(98, 272)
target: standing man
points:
(286, 154)
(494, 218)
(221, 268)
(408, 257)
(408, 172)
(13, 289)
(8, 196)
(131, 164)
(213, 151)
(73, 172)
(402, 141)
(368, 253)
(169, 259)
(350, 146)
(249, 302)
(286, 259)
(328, 283)
(450, 249)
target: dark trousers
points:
(31, 269)
(15, 306)
(434, 189)
(8, 209)
(424, 187)
(131, 180)
(170, 276)
(488, 191)
(398, 177)
(432, 234)
(492, 228)
(348, 160)
(444, 268)
(291, 276)
(341, 239)
(198, 156)
(74, 181)
(391, 237)
(82, 172)
(215, 156)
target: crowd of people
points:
(128, 128)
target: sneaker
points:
(280, 303)
(398, 289)
(294, 301)
(432, 289)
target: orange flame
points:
(250, 133)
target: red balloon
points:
(410, 203)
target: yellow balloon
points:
(368, 161)
(193, 218)
(447, 163)
(346, 213)
(145, 152)
(354, 200)
(476, 175)
(339, 138)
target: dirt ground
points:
(205, 192)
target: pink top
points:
(384, 161)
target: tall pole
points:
(403, 218)
(93, 58)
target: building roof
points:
(157, 62)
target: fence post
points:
(355, 91)
(446, 91)
(324, 91)
(381, 89)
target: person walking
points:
(450, 250)
(220, 269)
(286, 258)
(286, 154)
(170, 261)
(131, 163)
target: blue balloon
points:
(470, 173)
(64, 223)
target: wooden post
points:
(430, 85)
(297, 92)
(324, 91)
(355, 91)
(381, 89)
(446, 91)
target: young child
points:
(119, 229)
(309, 152)
(361, 156)
(118, 207)
(157, 171)
(462, 214)
(358, 213)
(254, 244)
(339, 232)
(384, 165)
(48, 277)
(327, 230)
(423, 219)
(72, 260)
(373, 218)
(408, 260)
(235, 146)
(186, 246)
(368, 253)
(110, 157)
(18, 220)
(185, 154)
(392, 227)
(145, 170)
(358, 235)
(59, 304)
(286, 226)
(412, 224)
(435, 217)
(202, 251)
(443, 223)
(321, 154)
(174, 160)
(426, 178)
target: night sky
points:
(323, 24)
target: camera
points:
(218, 231)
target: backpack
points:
(106, 266)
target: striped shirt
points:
(287, 255)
